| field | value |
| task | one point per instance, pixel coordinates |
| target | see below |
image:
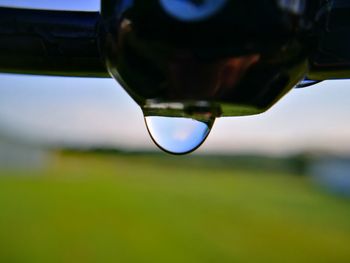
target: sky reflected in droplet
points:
(177, 135)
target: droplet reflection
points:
(306, 83)
(178, 135)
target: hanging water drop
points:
(178, 135)
(306, 82)
(179, 127)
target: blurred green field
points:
(150, 208)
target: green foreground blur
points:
(144, 208)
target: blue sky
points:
(86, 5)
(98, 111)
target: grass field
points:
(145, 208)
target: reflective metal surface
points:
(331, 57)
(244, 56)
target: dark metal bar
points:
(331, 60)
(51, 43)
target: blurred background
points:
(81, 181)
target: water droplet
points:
(307, 83)
(178, 135)
(179, 127)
